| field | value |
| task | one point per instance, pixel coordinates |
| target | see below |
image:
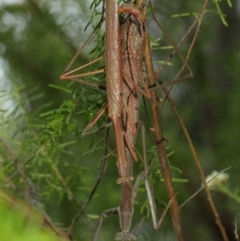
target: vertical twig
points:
(160, 142)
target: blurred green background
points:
(45, 162)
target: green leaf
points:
(93, 216)
(229, 3)
(67, 143)
(181, 180)
(222, 16)
(58, 87)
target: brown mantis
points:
(123, 105)
(133, 46)
(125, 59)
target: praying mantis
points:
(123, 100)
(124, 56)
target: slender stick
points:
(159, 139)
